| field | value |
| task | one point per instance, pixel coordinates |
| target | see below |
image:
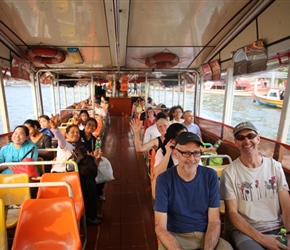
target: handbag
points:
(105, 171)
(31, 170)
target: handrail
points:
(41, 163)
(40, 184)
(46, 149)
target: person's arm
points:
(198, 131)
(212, 234)
(56, 132)
(268, 241)
(163, 235)
(2, 159)
(162, 162)
(138, 147)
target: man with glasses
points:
(256, 194)
(187, 201)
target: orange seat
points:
(13, 197)
(52, 192)
(47, 224)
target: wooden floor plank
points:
(128, 221)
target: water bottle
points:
(217, 144)
(98, 143)
(282, 236)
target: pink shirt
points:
(148, 123)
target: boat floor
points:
(128, 221)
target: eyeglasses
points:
(250, 136)
(187, 154)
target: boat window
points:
(273, 94)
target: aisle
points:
(128, 214)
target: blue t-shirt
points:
(187, 203)
(9, 153)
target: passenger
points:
(153, 132)
(40, 139)
(18, 149)
(177, 113)
(81, 119)
(256, 195)
(162, 125)
(66, 149)
(99, 109)
(44, 124)
(187, 201)
(89, 141)
(188, 123)
(165, 158)
(150, 118)
(135, 89)
(150, 102)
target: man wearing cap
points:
(256, 194)
(187, 201)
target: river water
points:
(266, 119)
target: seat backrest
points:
(152, 161)
(3, 232)
(12, 196)
(52, 224)
(52, 192)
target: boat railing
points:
(39, 184)
(35, 163)
(212, 130)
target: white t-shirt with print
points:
(256, 191)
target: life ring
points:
(162, 61)
(124, 83)
(45, 55)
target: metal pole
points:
(3, 104)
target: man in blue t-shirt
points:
(187, 201)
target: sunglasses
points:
(250, 136)
(187, 154)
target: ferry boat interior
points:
(176, 46)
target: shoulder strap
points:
(30, 151)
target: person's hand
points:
(272, 243)
(54, 120)
(12, 167)
(169, 146)
(136, 127)
(98, 153)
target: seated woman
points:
(156, 143)
(44, 124)
(89, 141)
(150, 118)
(40, 139)
(81, 119)
(66, 149)
(20, 147)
